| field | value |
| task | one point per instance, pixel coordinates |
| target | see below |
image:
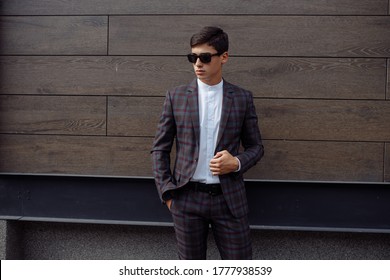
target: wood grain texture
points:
(335, 36)
(130, 156)
(320, 161)
(330, 120)
(85, 155)
(92, 75)
(330, 78)
(53, 115)
(133, 116)
(52, 35)
(388, 80)
(72, 72)
(324, 120)
(69, 7)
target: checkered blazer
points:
(180, 121)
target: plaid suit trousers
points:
(194, 211)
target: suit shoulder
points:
(183, 89)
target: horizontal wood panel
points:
(47, 7)
(53, 115)
(54, 35)
(292, 77)
(325, 119)
(278, 118)
(130, 156)
(388, 80)
(320, 161)
(134, 116)
(92, 75)
(347, 36)
(85, 155)
(330, 78)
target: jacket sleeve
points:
(161, 150)
(250, 138)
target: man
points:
(208, 118)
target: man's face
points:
(209, 73)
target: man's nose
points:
(198, 62)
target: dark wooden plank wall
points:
(82, 83)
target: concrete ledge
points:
(11, 246)
(3, 241)
(46, 241)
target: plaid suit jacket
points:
(180, 121)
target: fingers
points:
(220, 154)
(222, 163)
(216, 163)
(215, 166)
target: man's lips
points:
(199, 71)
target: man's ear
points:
(225, 57)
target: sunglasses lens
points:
(205, 57)
(192, 57)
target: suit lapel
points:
(226, 106)
(193, 107)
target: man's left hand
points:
(223, 163)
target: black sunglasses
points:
(204, 57)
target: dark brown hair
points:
(213, 36)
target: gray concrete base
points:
(43, 240)
(11, 246)
(3, 241)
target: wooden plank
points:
(347, 36)
(347, 120)
(279, 119)
(92, 75)
(53, 35)
(84, 155)
(69, 7)
(133, 116)
(53, 115)
(130, 156)
(330, 78)
(320, 161)
(388, 80)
